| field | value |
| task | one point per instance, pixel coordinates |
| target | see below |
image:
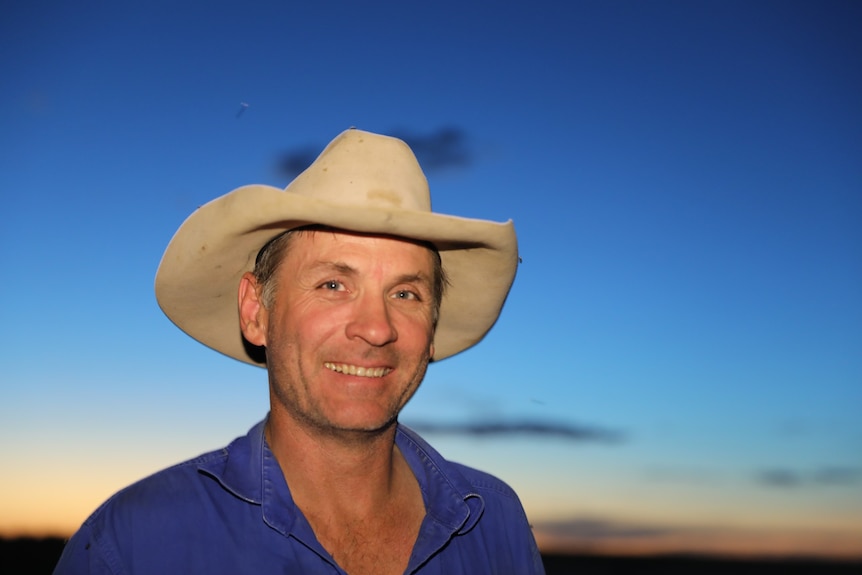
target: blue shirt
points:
(231, 512)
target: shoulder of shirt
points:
(164, 489)
(485, 482)
(482, 482)
(173, 486)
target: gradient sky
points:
(679, 364)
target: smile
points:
(354, 370)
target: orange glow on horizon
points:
(727, 543)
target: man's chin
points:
(361, 428)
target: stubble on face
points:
(311, 412)
(351, 306)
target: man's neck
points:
(343, 474)
(357, 492)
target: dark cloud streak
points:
(826, 476)
(780, 478)
(445, 148)
(838, 476)
(522, 428)
(600, 529)
(292, 163)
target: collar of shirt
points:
(250, 471)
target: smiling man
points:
(344, 285)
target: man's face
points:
(349, 333)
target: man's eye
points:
(332, 285)
(404, 294)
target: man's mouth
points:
(357, 370)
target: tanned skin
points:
(348, 337)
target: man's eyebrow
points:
(334, 266)
(418, 277)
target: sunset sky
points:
(679, 364)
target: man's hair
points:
(271, 255)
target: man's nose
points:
(372, 321)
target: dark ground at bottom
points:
(30, 556)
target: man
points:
(345, 285)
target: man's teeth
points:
(360, 371)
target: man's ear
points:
(252, 313)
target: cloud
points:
(838, 476)
(826, 476)
(447, 147)
(579, 534)
(780, 478)
(524, 428)
(292, 163)
(599, 529)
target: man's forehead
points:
(335, 246)
(341, 234)
(335, 238)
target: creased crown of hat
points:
(361, 182)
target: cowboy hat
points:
(361, 182)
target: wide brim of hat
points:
(197, 280)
